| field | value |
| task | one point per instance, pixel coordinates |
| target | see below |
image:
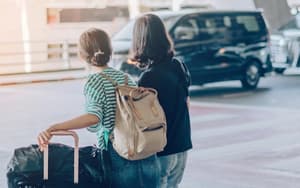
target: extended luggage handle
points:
(76, 153)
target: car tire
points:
(251, 76)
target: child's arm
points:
(79, 122)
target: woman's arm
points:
(188, 102)
(79, 122)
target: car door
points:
(189, 46)
(224, 56)
(202, 42)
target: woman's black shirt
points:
(169, 79)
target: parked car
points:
(285, 46)
(215, 45)
(279, 53)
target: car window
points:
(186, 30)
(231, 28)
(248, 27)
(213, 27)
(249, 23)
(125, 34)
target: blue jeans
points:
(134, 174)
(172, 168)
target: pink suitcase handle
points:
(76, 153)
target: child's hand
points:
(43, 139)
(141, 89)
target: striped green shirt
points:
(101, 101)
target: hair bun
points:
(99, 52)
(100, 58)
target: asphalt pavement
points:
(242, 139)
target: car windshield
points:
(125, 34)
(292, 24)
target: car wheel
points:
(251, 76)
(279, 70)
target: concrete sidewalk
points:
(45, 76)
(42, 72)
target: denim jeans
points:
(172, 168)
(134, 174)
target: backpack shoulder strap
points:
(114, 83)
(126, 80)
(183, 71)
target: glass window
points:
(213, 27)
(125, 34)
(227, 21)
(55, 51)
(186, 30)
(77, 15)
(248, 22)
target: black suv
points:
(215, 45)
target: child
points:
(95, 48)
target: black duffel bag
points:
(25, 168)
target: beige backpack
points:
(140, 124)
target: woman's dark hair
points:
(95, 47)
(151, 42)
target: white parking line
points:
(211, 117)
(245, 107)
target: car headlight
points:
(282, 42)
(262, 53)
(118, 59)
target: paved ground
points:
(249, 144)
(241, 147)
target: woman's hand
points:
(44, 138)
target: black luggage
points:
(69, 167)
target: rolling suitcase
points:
(69, 167)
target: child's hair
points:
(95, 47)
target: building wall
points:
(11, 34)
(40, 33)
(10, 21)
(233, 4)
(292, 3)
(10, 31)
(277, 12)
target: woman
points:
(95, 48)
(153, 50)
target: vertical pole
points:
(25, 35)
(134, 8)
(76, 164)
(46, 155)
(176, 5)
(66, 54)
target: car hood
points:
(121, 47)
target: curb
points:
(42, 71)
(41, 77)
(41, 81)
